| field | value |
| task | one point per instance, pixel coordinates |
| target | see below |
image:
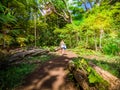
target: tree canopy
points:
(88, 23)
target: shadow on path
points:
(51, 75)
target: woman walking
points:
(62, 47)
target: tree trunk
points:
(86, 46)
(70, 41)
(69, 19)
(21, 55)
(84, 2)
(81, 78)
(4, 33)
(101, 33)
(97, 2)
(95, 43)
(35, 28)
(85, 6)
(90, 3)
(112, 80)
(4, 44)
(77, 39)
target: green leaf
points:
(2, 7)
(92, 78)
(89, 69)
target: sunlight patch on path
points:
(50, 76)
(58, 73)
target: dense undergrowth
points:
(93, 78)
(14, 75)
(110, 63)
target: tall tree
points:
(60, 8)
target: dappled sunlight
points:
(109, 71)
(105, 63)
(66, 60)
(57, 71)
(39, 84)
(50, 76)
(36, 37)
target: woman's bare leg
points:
(62, 51)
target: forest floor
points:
(52, 75)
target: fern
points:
(2, 8)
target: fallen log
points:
(79, 75)
(27, 62)
(21, 55)
(82, 78)
(57, 49)
(113, 81)
(39, 52)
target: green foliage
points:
(14, 75)
(59, 4)
(21, 41)
(93, 77)
(109, 63)
(8, 39)
(71, 77)
(2, 7)
(17, 26)
(110, 67)
(112, 47)
(7, 19)
(52, 48)
(83, 52)
(1, 39)
(70, 34)
(42, 58)
(17, 18)
(30, 38)
(15, 32)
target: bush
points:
(111, 48)
(13, 76)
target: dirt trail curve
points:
(50, 75)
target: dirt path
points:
(51, 75)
